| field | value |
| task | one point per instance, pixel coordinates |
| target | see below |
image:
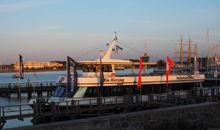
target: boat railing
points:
(128, 99)
(28, 84)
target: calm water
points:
(33, 77)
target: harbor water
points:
(29, 77)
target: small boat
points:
(15, 76)
(20, 70)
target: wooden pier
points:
(44, 111)
(6, 90)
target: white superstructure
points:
(91, 73)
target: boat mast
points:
(109, 51)
(181, 51)
(207, 42)
(145, 56)
(189, 51)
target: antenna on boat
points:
(145, 53)
(111, 48)
(181, 51)
(116, 38)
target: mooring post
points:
(48, 93)
(0, 111)
(201, 92)
(53, 111)
(36, 115)
(29, 94)
(41, 87)
(19, 95)
(9, 91)
(20, 117)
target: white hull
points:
(130, 80)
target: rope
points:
(103, 45)
(141, 52)
(90, 51)
(135, 50)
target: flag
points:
(21, 67)
(117, 48)
(169, 66)
(139, 74)
(71, 74)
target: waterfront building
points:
(39, 65)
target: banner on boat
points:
(169, 66)
(139, 74)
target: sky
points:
(45, 30)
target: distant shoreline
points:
(13, 71)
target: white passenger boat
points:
(91, 73)
(89, 81)
(114, 84)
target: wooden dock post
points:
(9, 91)
(19, 95)
(29, 95)
(49, 93)
(39, 94)
(53, 110)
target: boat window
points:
(96, 68)
(108, 91)
(107, 68)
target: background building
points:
(40, 65)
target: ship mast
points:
(196, 54)
(207, 42)
(111, 46)
(180, 53)
(189, 51)
(185, 52)
(181, 50)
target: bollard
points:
(39, 94)
(29, 94)
(212, 92)
(201, 92)
(9, 91)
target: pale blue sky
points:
(52, 29)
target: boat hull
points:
(146, 80)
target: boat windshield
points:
(96, 68)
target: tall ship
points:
(101, 75)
